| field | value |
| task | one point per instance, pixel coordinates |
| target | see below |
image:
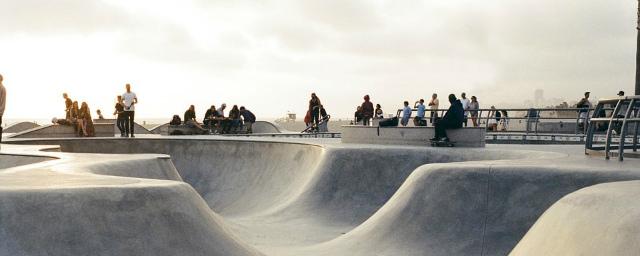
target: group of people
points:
(79, 116)
(215, 121)
(365, 112)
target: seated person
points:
(190, 119)
(210, 117)
(233, 120)
(451, 120)
(175, 120)
(248, 117)
(85, 123)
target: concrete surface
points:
(63, 131)
(243, 196)
(599, 220)
(20, 127)
(416, 136)
(137, 128)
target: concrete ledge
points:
(416, 136)
(63, 131)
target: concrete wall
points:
(138, 129)
(20, 127)
(63, 131)
(417, 136)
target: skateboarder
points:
(451, 120)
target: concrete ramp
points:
(461, 209)
(110, 216)
(138, 129)
(266, 127)
(12, 160)
(63, 131)
(290, 198)
(20, 127)
(599, 220)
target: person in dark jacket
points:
(367, 110)
(451, 120)
(248, 118)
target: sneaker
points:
(434, 139)
(444, 139)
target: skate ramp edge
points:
(597, 220)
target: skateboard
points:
(443, 144)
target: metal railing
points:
(563, 118)
(625, 113)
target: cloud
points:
(60, 16)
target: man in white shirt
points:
(130, 100)
(434, 104)
(3, 103)
(465, 105)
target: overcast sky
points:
(270, 55)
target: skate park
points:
(265, 195)
(320, 128)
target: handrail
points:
(630, 116)
(484, 115)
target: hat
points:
(621, 93)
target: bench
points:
(414, 136)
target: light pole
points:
(638, 53)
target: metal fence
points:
(523, 120)
(616, 121)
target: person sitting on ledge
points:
(100, 116)
(85, 123)
(233, 120)
(190, 119)
(210, 118)
(175, 120)
(451, 120)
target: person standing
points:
(465, 106)
(120, 115)
(367, 110)
(314, 109)
(406, 114)
(434, 104)
(67, 105)
(474, 106)
(3, 103)
(421, 109)
(248, 118)
(130, 100)
(584, 105)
